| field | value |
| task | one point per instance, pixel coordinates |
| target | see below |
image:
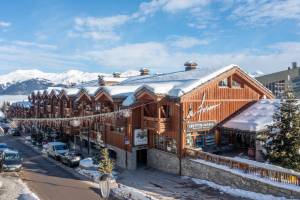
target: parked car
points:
(71, 158)
(3, 147)
(16, 132)
(11, 161)
(57, 149)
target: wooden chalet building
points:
(170, 112)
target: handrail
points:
(271, 174)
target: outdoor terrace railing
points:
(270, 174)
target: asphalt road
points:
(47, 180)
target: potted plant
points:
(106, 166)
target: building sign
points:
(202, 108)
(140, 136)
(198, 126)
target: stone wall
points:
(202, 171)
(121, 157)
(163, 161)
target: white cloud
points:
(102, 28)
(257, 12)
(4, 24)
(32, 44)
(160, 57)
(186, 42)
(18, 55)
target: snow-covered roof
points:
(119, 90)
(179, 83)
(255, 118)
(24, 104)
(71, 91)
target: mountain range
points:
(23, 82)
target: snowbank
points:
(237, 192)
(87, 163)
(250, 176)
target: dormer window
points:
(223, 83)
(236, 84)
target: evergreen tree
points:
(283, 141)
(106, 164)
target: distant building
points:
(278, 82)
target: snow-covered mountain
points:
(256, 74)
(25, 81)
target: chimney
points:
(294, 65)
(101, 81)
(117, 74)
(144, 71)
(190, 65)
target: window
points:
(165, 143)
(200, 139)
(236, 84)
(223, 83)
(98, 107)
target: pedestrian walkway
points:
(168, 187)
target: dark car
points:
(3, 147)
(11, 161)
(16, 132)
(71, 158)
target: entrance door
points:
(141, 158)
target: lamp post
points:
(75, 123)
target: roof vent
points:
(190, 65)
(294, 65)
(144, 71)
(117, 74)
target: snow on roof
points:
(91, 90)
(71, 91)
(256, 117)
(119, 90)
(177, 83)
(24, 104)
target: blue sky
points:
(118, 35)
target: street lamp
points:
(75, 123)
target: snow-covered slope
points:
(24, 81)
(71, 76)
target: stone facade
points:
(121, 157)
(198, 170)
(163, 161)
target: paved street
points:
(47, 180)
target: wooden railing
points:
(270, 174)
(156, 124)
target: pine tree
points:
(283, 141)
(106, 164)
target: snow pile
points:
(237, 192)
(255, 118)
(13, 188)
(87, 163)
(2, 114)
(131, 193)
(250, 176)
(92, 174)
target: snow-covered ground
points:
(237, 192)
(12, 98)
(250, 176)
(12, 188)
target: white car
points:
(57, 149)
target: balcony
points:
(67, 112)
(159, 125)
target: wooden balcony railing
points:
(262, 172)
(160, 125)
